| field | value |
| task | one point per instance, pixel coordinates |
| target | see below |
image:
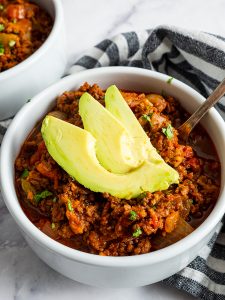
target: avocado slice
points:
(116, 105)
(74, 149)
(114, 145)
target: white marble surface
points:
(22, 275)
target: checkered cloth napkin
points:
(198, 59)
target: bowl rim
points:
(35, 56)
(34, 233)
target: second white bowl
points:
(44, 67)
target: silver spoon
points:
(185, 129)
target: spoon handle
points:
(185, 129)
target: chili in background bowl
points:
(39, 70)
(99, 270)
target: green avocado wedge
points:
(114, 145)
(74, 149)
(116, 105)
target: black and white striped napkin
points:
(198, 59)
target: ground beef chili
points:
(24, 26)
(100, 223)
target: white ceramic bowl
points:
(44, 67)
(93, 269)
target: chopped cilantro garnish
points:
(42, 195)
(133, 215)
(54, 200)
(137, 232)
(1, 7)
(168, 131)
(2, 50)
(142, 196)
(69, 205)
(2, 27)
(25, 174)
(53, 225)
(12, 43)
(169, 80)
(154, 207)
(148, 118)
(14, 21)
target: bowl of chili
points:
(32, 50)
